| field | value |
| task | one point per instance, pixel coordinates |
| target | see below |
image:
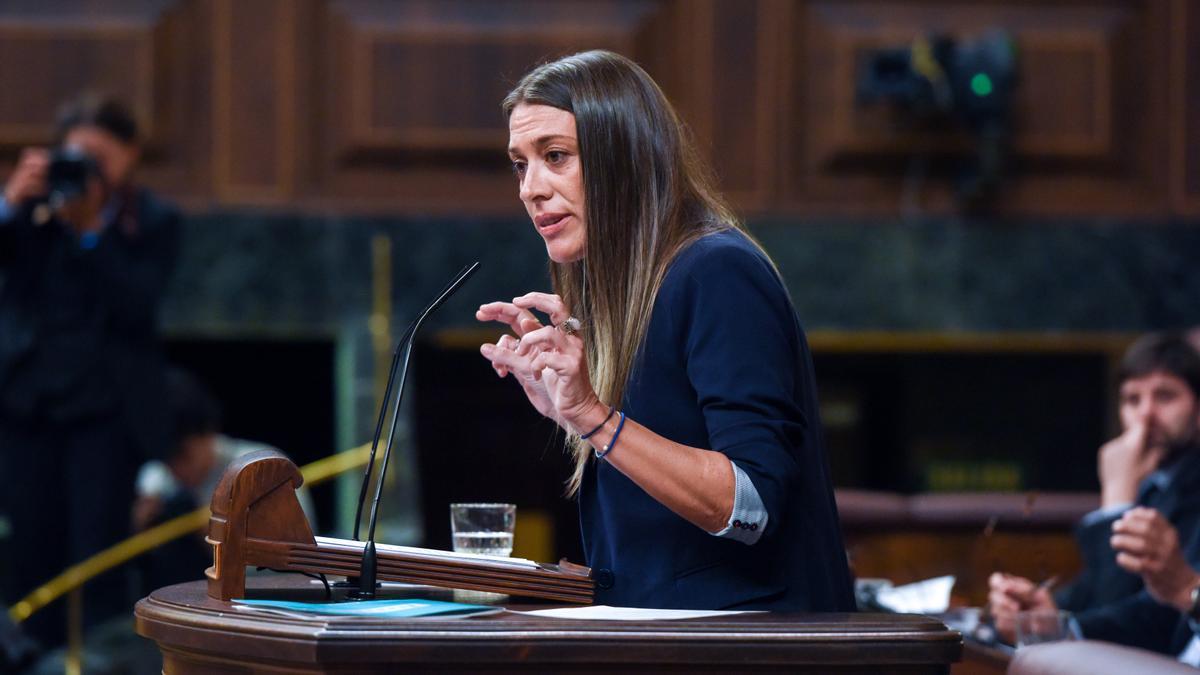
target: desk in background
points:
(907, 538)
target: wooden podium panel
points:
(198, 634)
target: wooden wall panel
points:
(255, 104)
(48, 56)
(392, 105)
(741, 49)
(179, 157)
(145, 51)
(1185, 106)
(412, 92)
(1088, 107)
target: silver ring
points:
(570, 325)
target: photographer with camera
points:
(85, 256)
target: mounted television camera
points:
(940, 79)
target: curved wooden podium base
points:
(200, 635)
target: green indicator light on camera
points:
(981, 84)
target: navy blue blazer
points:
(1111, 604)
(1140, 621)
(724, 366)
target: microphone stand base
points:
(362, 595)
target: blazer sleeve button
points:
(605, 578)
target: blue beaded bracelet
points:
(612, 443)
(611, 410)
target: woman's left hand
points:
(560, 361)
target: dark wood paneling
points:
(255, 99)
(1088, 107)
(392, 105)
(177, 158)
(1185, 106)
(49, 54)
(148, 52)
(741, 50)
(412, 92)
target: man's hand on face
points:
(28, 180)
(1148, 545)
(1125, 461)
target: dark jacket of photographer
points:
(78, 317)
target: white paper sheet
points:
(428, 553)
(921, 597)
(607, 613)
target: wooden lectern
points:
(200, 634)
(257, 520)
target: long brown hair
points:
(648, 195)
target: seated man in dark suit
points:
(184, 480)
(1155, 462)
(84, 257)
(1165, 617)
(1162, 617)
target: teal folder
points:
(378, 609)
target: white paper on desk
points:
(427, 553)
(921, 597)
(606, 613)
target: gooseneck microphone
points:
(367, 571)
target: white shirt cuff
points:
(154, 479)
(749, 517)
(1104, 513)
(1075, 628)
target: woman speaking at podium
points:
(672, 358)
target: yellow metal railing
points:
(75, 576)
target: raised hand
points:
(28, 179)
(560, 359)
(550, 364)
(1148, 545)
(504, 358)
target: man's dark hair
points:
(194, 410)
(100, 111)
(1165, 352)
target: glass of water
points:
(1044, 625)
(485, 529)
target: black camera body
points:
(969, 83)
(939, 76)
(68, 175)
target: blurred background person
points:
(1155, 462)
(184, 480)
(1165, 617)
(172, 486)
(86, 255)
